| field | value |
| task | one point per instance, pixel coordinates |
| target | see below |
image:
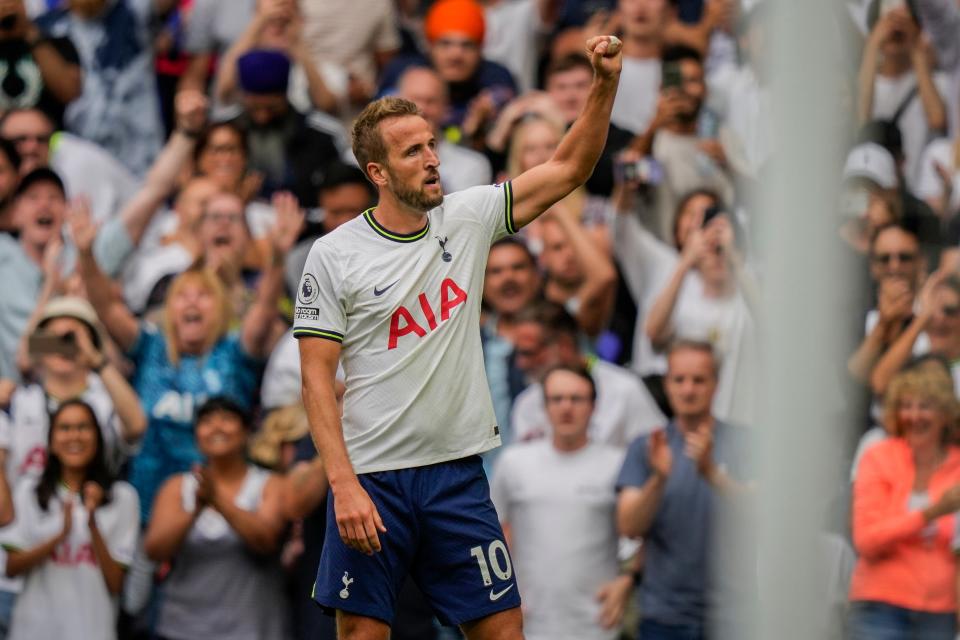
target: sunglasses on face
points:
(887, 258)
(39, 139)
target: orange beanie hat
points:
(460, 16)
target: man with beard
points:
(686, 161)
(290, 149)
(511, 283)
(394, 296)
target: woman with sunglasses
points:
(934, 328)
(905, 495)
(74, 534)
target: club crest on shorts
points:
(309, 289)
(347, 581)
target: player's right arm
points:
(357, 517)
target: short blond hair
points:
(929, 379)
(368, 144)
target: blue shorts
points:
(442, 530)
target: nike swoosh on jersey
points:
(380, 292)
(494, 596)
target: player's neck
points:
(398, 217)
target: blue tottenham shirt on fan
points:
(172, 393)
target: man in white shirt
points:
(564, 483)
(897, 83)
(644, 23)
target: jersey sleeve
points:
(320, 310)
(493, 206)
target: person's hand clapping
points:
(659, 454)
(92, 499)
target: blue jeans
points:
(651, 630)
(881, 621)
(7, 600)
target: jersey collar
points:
(390, 235)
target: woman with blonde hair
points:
(905, 495)
(193, 355)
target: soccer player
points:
(395, 295)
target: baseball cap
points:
(40, 174)
(872, 162)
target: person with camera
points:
(67, 351)
(39, 71)
(678, 149)
(897, 83)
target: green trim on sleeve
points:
(508, 207)
(306, 332)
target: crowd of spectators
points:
(165, 166)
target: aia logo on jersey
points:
(402, 322)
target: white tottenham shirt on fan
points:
(406, 309)
(66, 596)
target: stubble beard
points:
(414, 198)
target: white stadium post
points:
(802, 432)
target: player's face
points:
(412, 171)
(569, 405)
(221, 434)
(690, 383)
(511, 280)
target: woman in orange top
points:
(906, 491)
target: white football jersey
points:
(406, 309)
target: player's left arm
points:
(535, 190)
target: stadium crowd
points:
(165, 166)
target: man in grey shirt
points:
(671, 486)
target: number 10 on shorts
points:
(496, 558)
